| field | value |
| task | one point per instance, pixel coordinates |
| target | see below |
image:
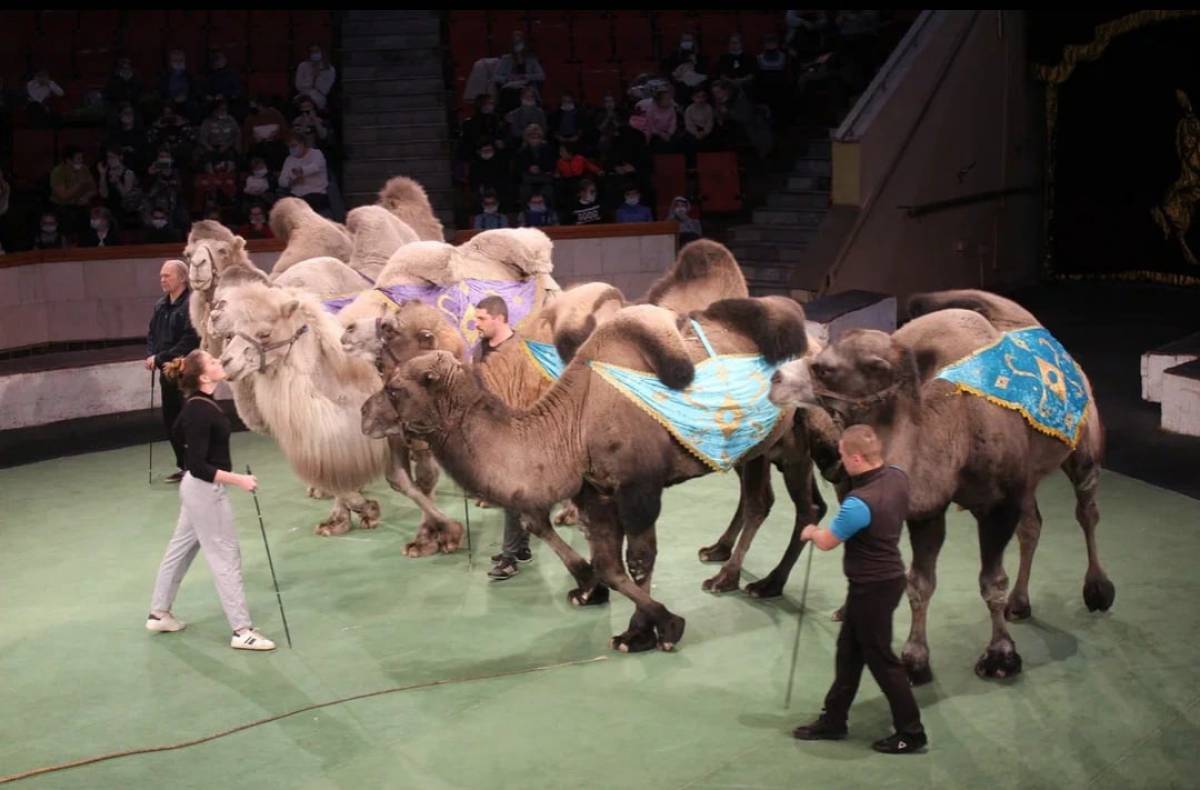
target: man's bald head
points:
(173, 277)
(861, 449)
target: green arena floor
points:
(1106, 700)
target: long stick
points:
(787, 701)
(150, 462)
(467, 519)
(270, 563)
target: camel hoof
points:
(316, 493)
(368, 517)
(328, 529)
(998, 663)
(839, 615)
(725, 581)
(633, 642)
(666, 647)
(1099, 594)
(1017, 610)
(566, 518)
(596, 596)
(714, 553)
(671, 631)
(417, 550)
(765, 588)
(449, 537)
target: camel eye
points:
(263, 335)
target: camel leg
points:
(1029, 531)
(338, 521)
(367, 509)
(640, 553)
(590, 591)
(568, 516)
(722, 550)
(1098, 591)
(756, 501)
(429, 539)
(810, 509)
(635, 508)
(449, 536)
(926, 538)
(996, 528)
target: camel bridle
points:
(263, 348)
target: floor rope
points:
(259, 722)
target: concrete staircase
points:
(394, 106)
(770, 245)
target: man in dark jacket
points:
(171, 335)
(868, 523)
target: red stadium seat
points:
(502, 24)
(552, 44)
(670, 180)
(278, 19)
(563, 78)
(59, 23)
(720, 182)
(179, 19)
(755, 25)
(36, 149)
(87, 140)
(269, 57)
(468, 40)
(591, 32)
(270, 84)
(633, 36)
(671, 25)
(596, 82)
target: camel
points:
(407, 201)
(585, 440)
(957, 448)
(307, 234)
(308, 391)
(377, 233)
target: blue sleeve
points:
(853, 516)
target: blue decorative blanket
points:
(1027, 370)
(545, 357)
(720, 416)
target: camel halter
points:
(263, 348)
(865, 401)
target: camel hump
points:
(775, 324)
(407, 200)
(209, 229)
(576, 313)
(524, 251)
(647, 332)
(1001, 312)
(705, 266)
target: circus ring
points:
(458, 683)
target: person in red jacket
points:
(570, 167)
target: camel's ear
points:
(387, 326)
(289, 308)
(239, 245)
(877, 364)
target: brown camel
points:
(587, 441)
(957, 448)
(307, 234)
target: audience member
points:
(71, 189)
(609, 123)
(263, 133)
(656, 119)
(537, 214)
(219, 132)
(164, 188)
(773, 83)
(735, 65)
(687, 53)
(129, 136)
(173, 131)
(484, 126)
(123, 86)
(178, 86)
(535, 162)
(586, 209)
(162, 230)
(41, 91)
(102, 230)
(304, 173)
(260, 185)
(222, 80)
(689, 227)
(256, 226)
(491, 217)
(569, 168)
(490, 172)
(569, 123)
(119, 187)
(698, 120)
(520, 118)
(309, 124)
(633, 210)
(516, 71)
(315, 77)
(50, 235)
(740, 118)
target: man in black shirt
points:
(491, 319)
(869, 523)
(171, 335)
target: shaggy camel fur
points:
(704, 272)
(958, 449)
(307, 234)
(587, 441)
(377, 233)
(407, 201)
(309, 392)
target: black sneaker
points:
(175, 478)
(503, 569)
(820, 730)
(521, 556)
(901, 743)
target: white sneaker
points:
(251, 640)
(165, 623)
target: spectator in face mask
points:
(164, 186)
(101, 231)
(537, 214)
(71, 189)
(773, 83)
(309, 124)
(688, 52)
(535, 162)
(608, 123)
(178, 86)
(516, 71)
(490, 218)
(161, 230)
(263, 133)
(689, 228)
(315, 77)
(220, 132)
(222, 81)
(586, 209)
(304, 174)
(256, 226)
(261, 184)
(42, 94)
(119, 187)
(174, 132)
(49, 236)
(633, 210)
(569, 123)
(735, 65)
(484, 126)
(129, 136)
(489, 172)
(123, 86)
(528, 113)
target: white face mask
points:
(256, 220)
(632, 201)
(315, 57)
(49, 230)
(490, 209)
(97, 224)
(686, 45)
(681, 211)
(159, 223)
(177, 66)
(527, 102)
(567, 106)
(487, 155)
(77, 165)
(262, 173)
(537, 207)
(588, 198)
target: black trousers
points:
(866, 638)
(172, 404)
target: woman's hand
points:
(247, 483)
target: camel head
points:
(394, 338)
(260, 325)
(207, 255)
(854, 379)
(420, 398)
(361, 339)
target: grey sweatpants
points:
(516, 539)
(205, 522)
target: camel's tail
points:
(775, 324)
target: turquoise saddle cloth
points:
(1028, 371)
